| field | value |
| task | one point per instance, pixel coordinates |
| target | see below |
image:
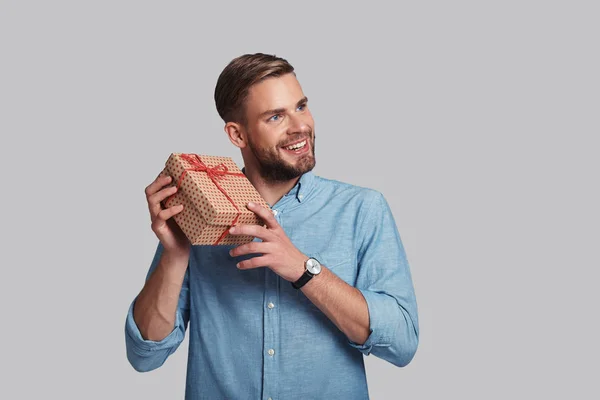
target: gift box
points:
(214, 193)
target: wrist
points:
(312, 268)
(174, 261)
(301, 268)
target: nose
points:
(298, 124)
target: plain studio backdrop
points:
(478, 121)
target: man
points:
(325, 281)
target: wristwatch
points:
(313, 267)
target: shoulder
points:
(362, 196)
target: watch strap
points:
(306, 276)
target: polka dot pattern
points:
(207, 213)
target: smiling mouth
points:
(297, 148)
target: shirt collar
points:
(301, 189)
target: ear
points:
(236, 134)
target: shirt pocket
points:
(342, 264)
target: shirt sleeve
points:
(385, 281)
(147, 355)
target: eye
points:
(273, 118)
(302, 106)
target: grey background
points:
(478, 121)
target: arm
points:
(157, 318)
(384, 279)
(343, 304)
(379, 315)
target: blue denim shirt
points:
(253, 336)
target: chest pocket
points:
(340, 263)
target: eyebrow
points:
(281, 110)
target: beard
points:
(273, 168)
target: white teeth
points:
(296, 146)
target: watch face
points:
(313, 266)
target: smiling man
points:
(291, 314)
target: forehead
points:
(276, 92)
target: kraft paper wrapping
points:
(207, 212)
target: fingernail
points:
(250, 204)
(237, 265)
(232, 230)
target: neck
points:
(271, 192)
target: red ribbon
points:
(214, 173)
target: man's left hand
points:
(278, 252)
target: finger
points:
(254, 262)
(160, 181)
(265, 214)
(253, 230)
(251, 248)
(169, 212)
(155, 200)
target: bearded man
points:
(290, 314)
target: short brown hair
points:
(238, 76)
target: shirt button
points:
(275, 212)
(269, 398)
(271, 352)
(300, 196)
(270, 305)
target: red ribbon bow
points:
(214, 173)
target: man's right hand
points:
(166, 229)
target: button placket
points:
(271, 333)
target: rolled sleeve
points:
(146, 355)
(385, 281)
(381, 329)
(143, 347)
